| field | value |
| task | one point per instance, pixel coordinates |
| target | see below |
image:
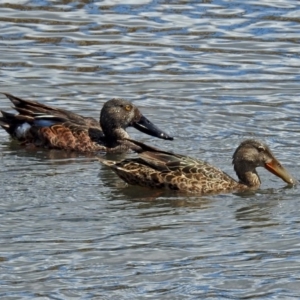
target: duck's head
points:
(252, 154)
(118, 114)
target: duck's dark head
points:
(118, 114)
(252, 154)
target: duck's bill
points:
(144, 125)
(275, 167)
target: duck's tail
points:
(15, 125)
(30, 113)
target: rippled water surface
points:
(211, 73)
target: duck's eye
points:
(128, 107)
(261, 149)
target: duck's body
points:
(54, 128)
(160, 169)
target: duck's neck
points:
(247, 175)
(114, 135)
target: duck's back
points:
(159, 169)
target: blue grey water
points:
(211, 73)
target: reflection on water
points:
(211, 73)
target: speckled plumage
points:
(45, 126)
(160, 169)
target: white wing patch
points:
(22, 130)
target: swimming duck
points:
(45, 126)
(161, 169)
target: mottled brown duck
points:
(54, 128)
(161, 169)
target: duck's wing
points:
(169, 161)
(30, 108)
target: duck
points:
(155, 168)
(40, 125)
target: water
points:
(211, 73)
